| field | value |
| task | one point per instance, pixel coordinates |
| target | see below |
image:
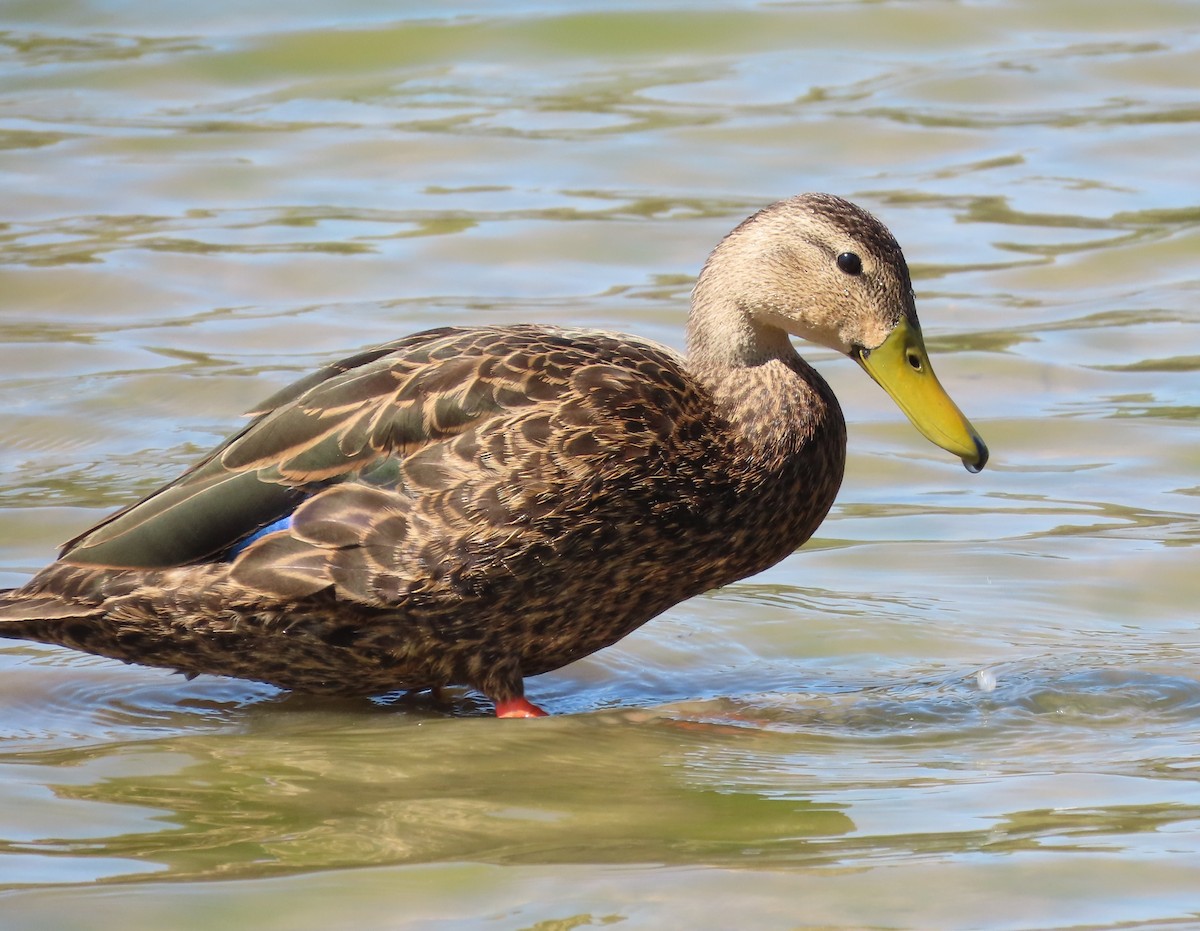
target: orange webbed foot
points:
(518, 708)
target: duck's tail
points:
(41, 616)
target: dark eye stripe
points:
(850, 263)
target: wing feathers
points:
(282, 567)
(419, 415)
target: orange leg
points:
(518, 708)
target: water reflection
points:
(293, 785)
(423, 789)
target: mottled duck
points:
(473, 505)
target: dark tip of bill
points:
(981, 457)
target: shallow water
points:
(970, 702)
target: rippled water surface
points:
(970, 702)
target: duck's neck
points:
(771, 396)
(722, 337)
(787, 435)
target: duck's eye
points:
(850, 263)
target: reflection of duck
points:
(475, 505)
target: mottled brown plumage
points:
(476, 505)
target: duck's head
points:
(823, 269)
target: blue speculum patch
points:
(282, 524)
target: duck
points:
(474, 505)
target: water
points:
(971, 702)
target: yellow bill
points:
(901, 367)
